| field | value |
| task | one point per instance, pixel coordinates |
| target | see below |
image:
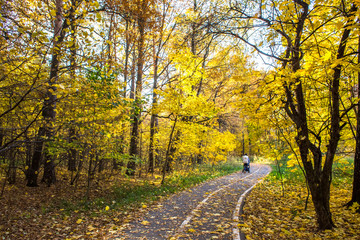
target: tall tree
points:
(49, 109)
(160, 39)
(142, 14)
(295, 37)
(355, 197)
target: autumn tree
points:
(355, 197)
(164, 25)
(301, 39)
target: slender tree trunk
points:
(243, 144)
(168, 154)
(2, 136)
(171, 153)
(134, 141)
(72, 132)
(126, 73)
(11, 175)
(28, 145)
(132, 96)
(153, 129)
(79, 168)
(72, 152)
(90, 175)
(157, 152)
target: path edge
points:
(237, 234)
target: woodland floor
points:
(62, 211)
(53, 213)
(270, 212)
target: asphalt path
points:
(208, 211)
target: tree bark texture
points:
(33, 170)
(355, 197)
(49, 112)
(134, 140)
(153, 129)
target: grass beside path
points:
(62, 212)
(271, 212)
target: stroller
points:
(246, 168)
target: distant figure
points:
(246, 162)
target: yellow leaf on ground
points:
(145, 223)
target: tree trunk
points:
(168, 153)
(355, 197)
(169, 159)
(49, 112)
(243, 144)
(33, 170)
(116, 163)
(11, 176)
(90, 175)
(134, 140)
(153, 130)
(151, 144)
(72, 132)
(79, 168)
(320, 192)
(28, 145)
(72, 152)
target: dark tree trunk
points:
(72, 151)
(28, 145)
(151, 144)
(153, 129)
(157, 152)
(90, 175)
(134, 140)
(72, 160)
(49, 112)
(318, 176)
(11, 176)
(33, 170)
(72, 154)
(101, 163)
(169, 154)
(355, 197)
(2, 136)
(79, 168)
(250, 147)
(243, 144)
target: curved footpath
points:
(208, 211)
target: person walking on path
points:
(246, 162)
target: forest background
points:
(93, 91)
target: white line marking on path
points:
(193, 212)
(236, 231)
